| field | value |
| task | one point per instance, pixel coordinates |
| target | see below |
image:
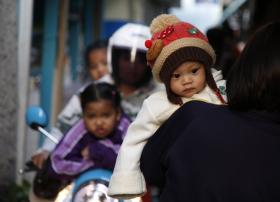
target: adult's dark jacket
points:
(207, 153)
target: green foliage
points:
(16, 193)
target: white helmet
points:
(130, 36)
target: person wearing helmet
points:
(127, 61)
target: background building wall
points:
(137, 10)
(152, 8)
(8, 91)
(124, 10)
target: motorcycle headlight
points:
(93, 191)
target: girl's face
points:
(101, 118)
(188, 79)
(98, 63)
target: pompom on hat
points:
(173, 42)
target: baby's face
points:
(188, 79)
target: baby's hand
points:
(85, 153)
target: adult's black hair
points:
(117, 52)
(100, 91)
(98, 44)
(216, 37)
(254, 80)
(223, 42)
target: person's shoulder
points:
(125, 118)
(83, 87)
(197, 114)
(203, 105)
(201, 109)
(124, 122)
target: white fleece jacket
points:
(127, 180)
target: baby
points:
(181, 58)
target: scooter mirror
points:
(36, 117)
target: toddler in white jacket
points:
(181, 58)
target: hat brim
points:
(177, 44)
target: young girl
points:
(95, 140)
(180, 57)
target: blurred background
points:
(41, 55)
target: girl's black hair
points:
(98, 44)
(100, 91)
(254, 80)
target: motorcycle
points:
(90, 186)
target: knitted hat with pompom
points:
(174, 42)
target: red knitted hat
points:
(174, 42)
